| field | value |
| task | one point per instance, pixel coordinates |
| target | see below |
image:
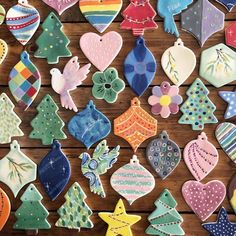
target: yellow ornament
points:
(119, 221)
(3, 50)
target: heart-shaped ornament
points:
(5, 208)
(101, 50)
(203, 199)
(3, 50)
(201, 157)
(100, 14)
(226, 136)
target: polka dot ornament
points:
(3, 50)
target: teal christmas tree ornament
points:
(89, 126)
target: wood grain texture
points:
(75, 25)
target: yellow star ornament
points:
(119, 221)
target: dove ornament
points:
(92, 167)
(62, 83)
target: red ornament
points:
(230, 35)
(138, 16)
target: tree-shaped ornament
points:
(165, 220)
(9, 122)
(75, 213)
(24, 81)
(47, 125)
(198, 109)
(31, 215)
(5, 208)
(52, 43)
(139, 16)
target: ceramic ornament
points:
(165, 220)
(24, 81)
(60, 5)
(230, 34)
(5, 208)
(201, 157)
(9, 122)
(52, 43)
(132, 181)
(101, 161)
(167, 9)
(230, 98)
(75, 213)
(218, 65)
(107, 85)
(16, 169)
(202, 20)
(232, 192)
(178, 62)
(89, 126)
(2, 14)
(165, 100)
(135, 125)
(228, 4)
(140, 67)
(23, 20)
(101, 50)
(119, 222)
(163, 154)
(226, 136)
(100, 14)
(63, 83)
(54, 171)
(222, 226)
(138, 17)
(31, 215)
(204, 199)
(198, 109)
(47, 124)
(3, 50)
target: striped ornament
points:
(226, 136)
(100, 14)
(132, 181)
(23, 20)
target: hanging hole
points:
(15, 146)
(166, 195)
(112, 72)
(31, 189)
(100, 40)
(52, 17)
(164, 137)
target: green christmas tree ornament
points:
(31, 215)
(165, 220)
(198, 109)
(52, 43)
(75, 213)
(47, 125)
(9, 121)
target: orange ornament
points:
(135, 125)
(5, 208)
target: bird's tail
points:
(170, 26)
(67, 102)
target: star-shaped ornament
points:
(222, 226)
(230, 98)
(119, 221)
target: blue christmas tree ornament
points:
(54, 171)
(140, 67)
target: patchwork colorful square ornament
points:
(135, 125)
(132, 181)
(92, 167)
(232, 192)
(24, 81)
(16, 169)
(5, 208)
(63, 83)
(230, 34)
(200, 156)
(23, 21)
(228, 4)
(202, 20)
(100, 14)
(174, 58)
(89, 126)
(119, 222)
(167, 9)
(140, 67)
(230, 98)
(3, 50)
(198, 109)
(218, 65)
(54, 171)
(163, 154)
(2, 14)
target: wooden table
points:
(74, 26)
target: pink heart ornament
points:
(204, 199)
(201, 157)
(101, 50)
(60, 5)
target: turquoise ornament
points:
(140, 67)
(89, 126)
